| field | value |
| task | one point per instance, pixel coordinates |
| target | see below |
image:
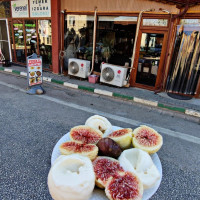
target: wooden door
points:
(149, 59)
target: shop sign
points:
(155, 22)
(40, 8)
(34, 67)
(20, 8)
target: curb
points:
(112, 94)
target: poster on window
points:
(19, 8)
(40, 8)
(34, 67)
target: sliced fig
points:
(125, 186)
(85, 135)
(70, 147)
(122, 137)
(108, 147)
(105, 168)
(147, 139)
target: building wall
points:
(114, 5)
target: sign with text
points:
(155, 22)
(40, 8)
(34, 67)
(20, 8)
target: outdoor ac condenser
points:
(113, 74)
(78, 67)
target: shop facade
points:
(29, 30)
(140, 35)
(137, 34)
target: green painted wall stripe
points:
(85, 88)
(2, 68)
(171, 108)
(122, 96)
(57, 81)
(16, 72)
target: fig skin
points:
(108, 147)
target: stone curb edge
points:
(112, 94)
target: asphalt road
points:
(30, 126)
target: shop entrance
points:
(32, 36)
(149, 59)
(5, 53)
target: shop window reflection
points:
(149, 58)
(31, 37)
(45, 42)
(78, 39)
(19, 41)
(115, 40)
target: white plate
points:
(99, 194)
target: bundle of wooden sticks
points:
(185, 65)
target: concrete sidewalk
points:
(161, 100)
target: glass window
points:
(5, 9)
(19, 40)
(149, 58)
(45, 46)
(78, 39)
(115, 40)
(31, 37)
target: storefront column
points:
(55, 21)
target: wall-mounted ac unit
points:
(78, 67)
(113, 74)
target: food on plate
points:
(98, 122)
(105, 168)
(70, 147)
(32, 73)
(147, 139)
(123, 137)
(38, 73)
(32, 80)
(140, 163)
(108, 147)
(85, 134)
(125, 186)
(71, 178)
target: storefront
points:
(29, 23)
(137, 34)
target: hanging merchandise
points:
(185, 65)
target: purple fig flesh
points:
(108, 147)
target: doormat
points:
(179, 96)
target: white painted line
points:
(12, 86)
(161, 130)
(146, 102)
(7, 70)
(192, 113)
(71, 85)
(23, 73)
(47, 79)
(103, 92)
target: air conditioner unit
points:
(78, 67)
(113, 74)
